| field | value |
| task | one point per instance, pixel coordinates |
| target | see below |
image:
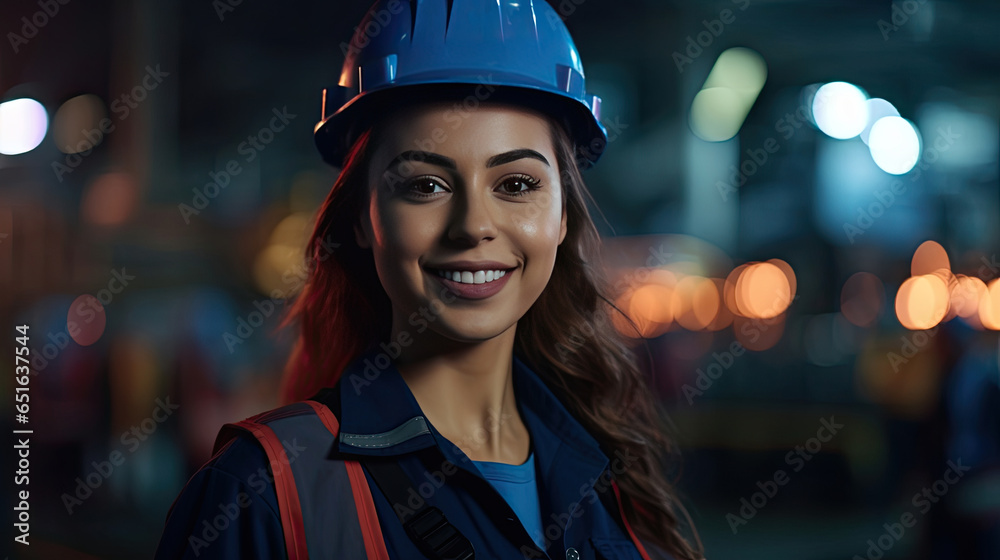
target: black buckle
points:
(437, 538)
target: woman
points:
(458, 387)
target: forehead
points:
(461, 132)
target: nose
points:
(473, 216)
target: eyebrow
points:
(446, 162)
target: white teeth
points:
(470, 277)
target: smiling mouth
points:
(472, 277)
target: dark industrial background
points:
(861, 414)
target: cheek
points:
(542, 223)
(402, 236)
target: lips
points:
(478, 286)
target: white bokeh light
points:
(840, 110)
(894, 144)
(877, 108)
(23, 123)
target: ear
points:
(562, 226)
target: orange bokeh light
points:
(763, 291)
(989, 306)
(862, 299)
(966, 293)
(922, 302)
(696, 302)
(724, 317)
(929, 257)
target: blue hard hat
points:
(515, 51)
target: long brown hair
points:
(567, 336)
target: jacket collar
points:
(381, 417)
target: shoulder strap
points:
(289, 505)
(427, 526)
(284, 483)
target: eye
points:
(521, 185)
(423, 187)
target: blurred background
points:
(802, 212)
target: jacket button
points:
(572, 554)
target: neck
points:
(466, 392)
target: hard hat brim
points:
(335, 134)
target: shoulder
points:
(227, 509)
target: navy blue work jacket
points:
(376, 405)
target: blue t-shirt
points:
(516, 483)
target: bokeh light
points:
(894, 144)
(23, 123)
(110, 199)
(877, 108)
(86, 320)
(862, 299)
(696, 302)
(280, 266)
(840, 110)
(650, 308)
(989, 306)
(922, 302)
(76, 125)
(966, 295)
(730, 90)
(929, 258)
(763, 291)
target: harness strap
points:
(372, 531)
(631, 534)
(427, 525)
(284, 484)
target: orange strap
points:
(367, 516)
(618, 496)
(284, 486)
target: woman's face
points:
(455, 197)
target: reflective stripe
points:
(410, 429)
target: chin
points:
(471, 333)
